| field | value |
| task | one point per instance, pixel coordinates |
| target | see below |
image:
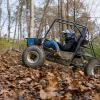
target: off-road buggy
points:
(35, 54)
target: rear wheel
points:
(33, 57)
(93, 68)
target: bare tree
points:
(9, 18)
(31, 24)
(30, 17)
(0, 16)
(44, 14)
(20, 17)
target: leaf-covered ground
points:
(50, 82)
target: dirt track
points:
(51, 81)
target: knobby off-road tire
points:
(92, 67)
(33, 57)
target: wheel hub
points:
(32, 57)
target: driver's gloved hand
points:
(58, 54)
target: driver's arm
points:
(68, 45)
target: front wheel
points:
(93, 68)
(33, 57)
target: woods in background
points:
(26, 19)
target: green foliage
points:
(97, 50)
(5, 45)
(96, 46)
(21, 45)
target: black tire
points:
(33, 57)
(91, 66)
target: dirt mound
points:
(51, 81)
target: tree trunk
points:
(20, 18)
(63, 14)
(9, 17)
(15, 28)
(0, 16)
(31, 25)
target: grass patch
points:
(96, 45)
(5, 44)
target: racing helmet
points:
(68, 34)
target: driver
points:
(70, 41)
(69, 45)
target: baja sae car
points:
(35, 54)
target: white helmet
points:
(68, 34)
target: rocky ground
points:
(50, 82)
